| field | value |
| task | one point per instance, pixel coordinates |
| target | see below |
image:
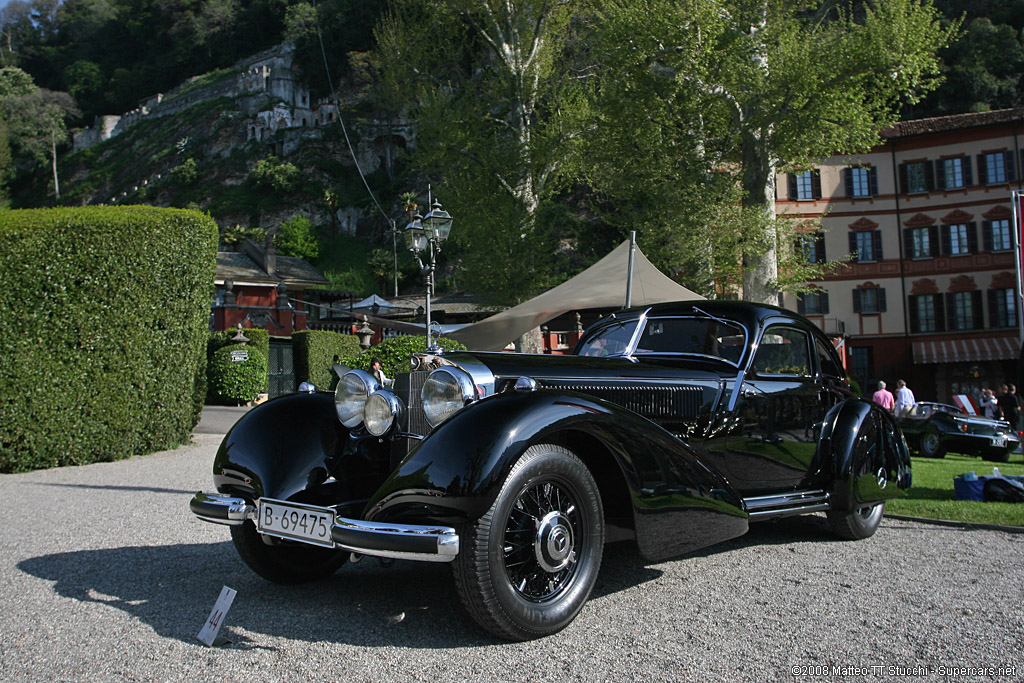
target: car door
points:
(773, 442)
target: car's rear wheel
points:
(931, 444)
(284, 561)
(854, 525)
(528, 565)
(998, 457)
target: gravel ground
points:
(106, 576)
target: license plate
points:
(999, 441)
(307, 523)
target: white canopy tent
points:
(602, 285)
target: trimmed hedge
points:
(395, 352)
(314, 352)
(238, 381)
(103, 319)
(259, 339)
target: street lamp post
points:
(426, 233)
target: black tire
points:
(931, 444)
(285, 561)
(527, 566)
(853, 525)
(1000, 457)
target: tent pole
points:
(629, 275)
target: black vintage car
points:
(933, 429)
(673, 426)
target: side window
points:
(826, 360)
(783, 351)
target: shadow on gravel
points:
(108, 487)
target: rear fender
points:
(679, 503)
(868, 455)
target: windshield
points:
(612, 340)
(694, 336)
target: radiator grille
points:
(407, 387)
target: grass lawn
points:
(931, 494)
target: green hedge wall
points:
(103, 320)
(246, 373)
(314, 352)
(238, 382)
(395, 352)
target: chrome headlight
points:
(350, 396)
(382, 409)
(446, 391)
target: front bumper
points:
(427, 543)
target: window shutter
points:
(903, 179)
(950, 310)
(939, 179)
(792, 186)
(819, 246)
(816, 183)
(873, 181)
(965, 167)
(881, 300)
(908, 243)
(986, 235)
(856, 301)
(929, 177)
(976, 311)
(854, 256)
(801, 307)
(940, 312)
(848, 181)
(824, 302)
(994, 319)
(972, 237)
(1011, 166)
(876, 238)
(933, 240)
(982, 170)
(915, 323)
(945, 242)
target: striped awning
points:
(966, 350)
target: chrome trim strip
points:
(782, 502)
(218, 509)
(787, 512)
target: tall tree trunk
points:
(53, 157)
(760, 264)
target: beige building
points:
(924, 227)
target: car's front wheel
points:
(931, 444)
(528, 565)
(284, 561)
(854, 525)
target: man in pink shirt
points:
(883, 397)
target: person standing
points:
(376, 369)
(905, 400)
(1009, 405)
(883, 397)
(989, 404)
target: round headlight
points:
(446, 391)
(350, 396)
(382, 409)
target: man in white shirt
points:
(904, 399)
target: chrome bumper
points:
(426, 543)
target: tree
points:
(297, 238)
(760, 85)
(494, 111)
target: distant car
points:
(674, 426)
(933, 429)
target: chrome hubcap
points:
(553, 545)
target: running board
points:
(785, 504)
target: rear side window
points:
(783, 351)
(827, 360)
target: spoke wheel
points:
(528, 565)
(856, 524)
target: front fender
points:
(868, 454)
(679, 503)
(285, 449)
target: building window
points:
(869, 300)
(995, 168)
(963, 310)
(920, 243)
(997, 235)
(811, 247)
(959, 239)
(866, 245)
(926, 314)
(1002, 307)
(860, 361)
(805, 185)
(861, 181)
(812, 303)
(951, 174)
(916, 176)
